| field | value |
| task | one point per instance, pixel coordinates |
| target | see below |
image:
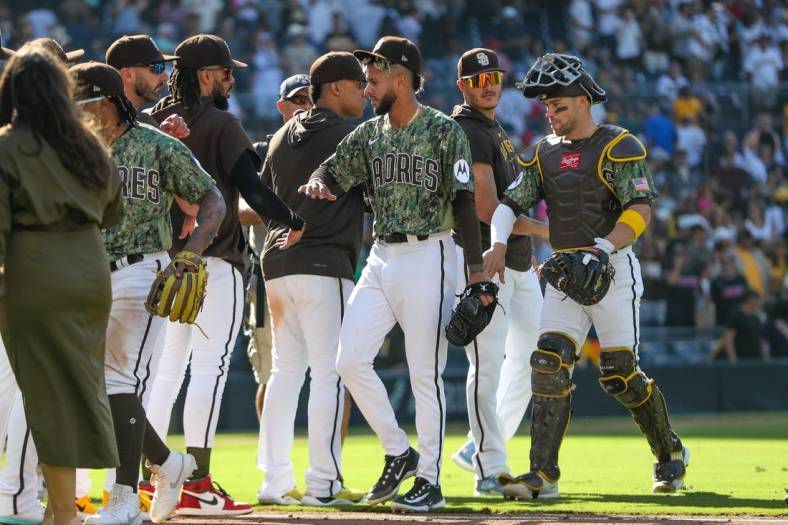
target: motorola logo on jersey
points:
(139, 183)
(404, 168)
(462, 172)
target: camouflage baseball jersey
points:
(153, 167)
(411, 174)
(585, 184)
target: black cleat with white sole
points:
(423, 497)
(396, 470)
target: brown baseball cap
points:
(95, 80)
(337, 65)
(395, 50)
(205, 51)
(135, 50)
(53, 47)
(477, 60)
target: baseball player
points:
(154, 167)
(293, 95)
(480, 79)
(308, 287)
(200, 85)
(413, 161)
(598, 191)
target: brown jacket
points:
(332, 239)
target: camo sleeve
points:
(525, 191)
(183, 175)
(632, 181)
(456, 162)
(348, 165)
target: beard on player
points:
(146, 91)
(220, 96)
(384, 106)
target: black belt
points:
(128, 260)
(400, 237)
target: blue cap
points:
(291, 86)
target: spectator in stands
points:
(744, 333)
(512, 36)
(608, 22)
(752, 262)
(777, 329)
(691, 138)
(629, 39)
(681, 288)
(299, 54)
(763, 65)
(267, 76)
(669, 83)
(728, 288)
(756, 223)
(682, 29)
(659, 130)
(339, 38)
(686, 105)
(581, 24)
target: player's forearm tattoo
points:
(212, 210)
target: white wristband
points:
(501, 224)
(604, 245)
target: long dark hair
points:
(184, 86)
(36, 90)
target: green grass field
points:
(738, 466)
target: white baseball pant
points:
(306, 313)
(616, 318)
(208, 356)
(411, 283)
(498, 386)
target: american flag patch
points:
(641, 184)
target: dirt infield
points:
(364, 518)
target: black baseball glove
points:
(470, 316)
(583, 275)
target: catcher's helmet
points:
(556, 75)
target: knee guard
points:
(551, 384)
(622, 379)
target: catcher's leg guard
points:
(551, 383)
(622, 379)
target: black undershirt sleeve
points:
(467, 224)
(260, 197)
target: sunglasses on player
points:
(492, 78)
(157, 68)
(299, 100)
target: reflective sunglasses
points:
(492, 78)
(299, 100)
(157, 68)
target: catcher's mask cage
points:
(557, 74)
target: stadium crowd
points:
(702, 83)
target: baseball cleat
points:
(122, 509)
(669, 475)
(489, 486)
(204, 497)
(168, 479)
(345, 496)
(530, 485)
(31, 516)
(145, 491)
(84, 506)
(423, 497)
(292, 497)
(395, 470)
(464, 457)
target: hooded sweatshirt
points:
(332, 238)
(491, 145)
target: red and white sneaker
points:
(203, 497)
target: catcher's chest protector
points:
(580, 206)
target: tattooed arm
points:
(209, 217)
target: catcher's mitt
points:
(470, 316)
(583, 275)
(179, 298)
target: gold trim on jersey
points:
(533, 161)
(604, 156)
